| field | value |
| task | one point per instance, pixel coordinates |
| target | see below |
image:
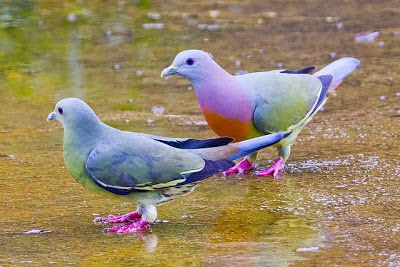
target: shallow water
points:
(338, 202)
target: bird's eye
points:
(190, 61)
(60, 110)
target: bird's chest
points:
(75, 163)
(75, 160)
(228, 126)
(227, 113)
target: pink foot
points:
(241, 167)
(276, 169)
(128, 229)
(129, 217)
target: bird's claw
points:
(129, 217)
(242, 167)
(275, 170)
(128, 229)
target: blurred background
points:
(338, 202)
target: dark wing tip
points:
(198, 143)
(211, 168)
(307, 70)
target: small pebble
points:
(6, 156)
(382, 97)
(333, 55)
(117, 66)
(366, 37)
(36, 231)
(127, 121)
(395, 33)
(148, 26)
(190, 88)
(213, 13)
(398, 94)
(130, 100)
(153, 15)
(238, 63)
(157, 110)
(260, 21)
(329, 19)
(184, 216)
(139, 72)
(71, 17)
(202, 26)
(307, 249)
(339, 26)
(271, 14)
(150, 122)
(279, 65)
(213, 27)
(381, 44)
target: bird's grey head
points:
(73, 112)
(191, 64)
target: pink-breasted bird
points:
(260, 103)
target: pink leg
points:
(129, 217)
(276, 169)
(241, 167)
(128, 229)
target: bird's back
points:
(281, 100)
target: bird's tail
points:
(252, 145)
(339, 69)
(235, 151)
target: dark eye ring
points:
(60, 110)
(190, 61)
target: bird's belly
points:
(235, 128)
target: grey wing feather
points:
(122, 167)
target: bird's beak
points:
(171, 70)
(51, 116)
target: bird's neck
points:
(222, 94)
(86, 130)
(79, 141)
(227, 108)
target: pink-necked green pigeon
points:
(260, 103)
(146, 168)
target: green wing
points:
(282, 101)
(122, 167)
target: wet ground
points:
(339, 201)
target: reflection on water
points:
(340, 192)
(75, 66)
